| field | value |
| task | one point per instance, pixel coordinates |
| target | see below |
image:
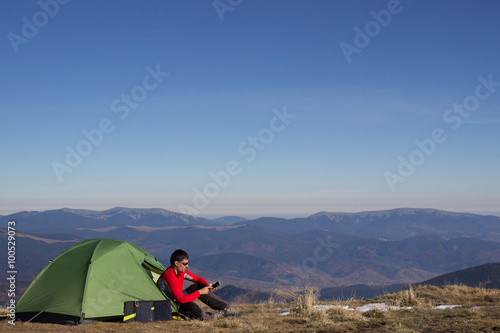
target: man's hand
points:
(213, 286)
(205, 290)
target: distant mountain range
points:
(69, 219)
(395, 224)
(325, 249)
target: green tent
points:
(92, 280)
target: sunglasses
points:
(184, 263)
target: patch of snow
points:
(375, 306)
(444, 307)
(328, 307)
(380, 307)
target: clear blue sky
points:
(180, 90)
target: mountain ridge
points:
(395, 224)
(395, 211)
(482, 276)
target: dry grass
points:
(463, 295)
(3, 311)
(303, 302)
(340, 315)
(429, 296)
(409, 297)
(229, 323)
(304, 317)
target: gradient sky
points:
(232, 67)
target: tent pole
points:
(33, 317)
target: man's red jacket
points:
(175, 283)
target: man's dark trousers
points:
(193, 311)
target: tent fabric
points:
(93, 279)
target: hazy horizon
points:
(246, 216)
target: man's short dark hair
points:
(178, 255)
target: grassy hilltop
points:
(409, 310)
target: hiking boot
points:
(219, 314)
(230, 312)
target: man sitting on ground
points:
(174, 277)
